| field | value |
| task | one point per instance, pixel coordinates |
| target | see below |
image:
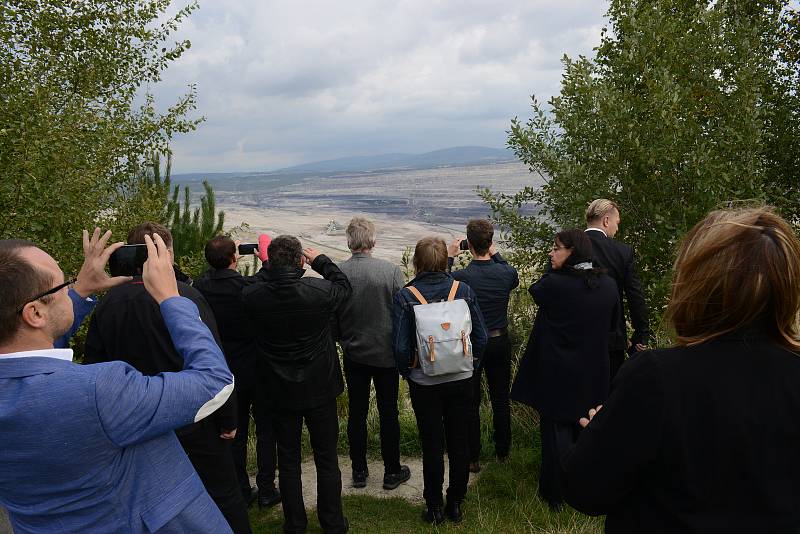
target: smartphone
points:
(127, 260)
(464, 245)
(247, 248)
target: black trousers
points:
(323, 429)
(386, 380)
(442, 411)
(211, 457)
(496, 365)
(557, 439)
(266, 456)
(616, 359)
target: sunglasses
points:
(56, 289)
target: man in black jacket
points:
(492, 279)
(127, 325)
(602, 220)
(222, 287)
(300, 374)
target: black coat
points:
(292, 318)
(127, 326)
(565, 369)
(696, 439)
(222, 288)
(618, 261)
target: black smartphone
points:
(247, 248)
(464, 245)
(127, 260)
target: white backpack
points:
(443, 328)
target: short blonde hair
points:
(599, 208)
(733, 268)
(430, 255)
(360, 234)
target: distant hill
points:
(462, 156)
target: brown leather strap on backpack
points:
(417, 294)
(453, 290)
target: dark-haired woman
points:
(565, 368)
(442, 402)
(703, 436)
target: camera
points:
(247, 248)
(464, 245)
(127, 260)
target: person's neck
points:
(232, 266)
(485, 257)
(26, 343)
(367, 251)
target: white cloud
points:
(282, 83)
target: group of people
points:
(152, 435)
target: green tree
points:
(76, 119)
(686, 104)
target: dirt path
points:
(410, 491)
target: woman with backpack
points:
(438, 336)
(565, 369)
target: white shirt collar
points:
(597, 230)
(60, 354)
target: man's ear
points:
(33, 315)
(302, 261)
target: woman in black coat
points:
(565, 369)
(703, 437)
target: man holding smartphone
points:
(128, 325)
(492, 279)
(222, 287)
(97, 441)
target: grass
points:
(502, 500)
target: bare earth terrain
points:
(405, 205)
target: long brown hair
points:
(733, 268)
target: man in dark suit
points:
(222, 287)
(128, 326)
(602, 220)
(300, 374)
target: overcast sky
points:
(284, 83)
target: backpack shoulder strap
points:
(453, 290)
(417, 294)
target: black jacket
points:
(565, 369)
(127, 326)
(617, 259)
(696, 439)
(222, 288)
(292, 318)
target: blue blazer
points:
(91, 448)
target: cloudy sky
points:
(287, 82)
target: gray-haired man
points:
(365, 333)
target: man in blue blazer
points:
(91, 448)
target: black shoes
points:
(433, 514)
(453, 511)
(268, 498)
(391, 481)
(249, 497)
(360, 478)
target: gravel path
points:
(410, 491)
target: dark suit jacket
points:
(127, 325)
(292, 317)
(617, 259)
(696, 439)
(565, 369)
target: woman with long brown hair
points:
(703, 436)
